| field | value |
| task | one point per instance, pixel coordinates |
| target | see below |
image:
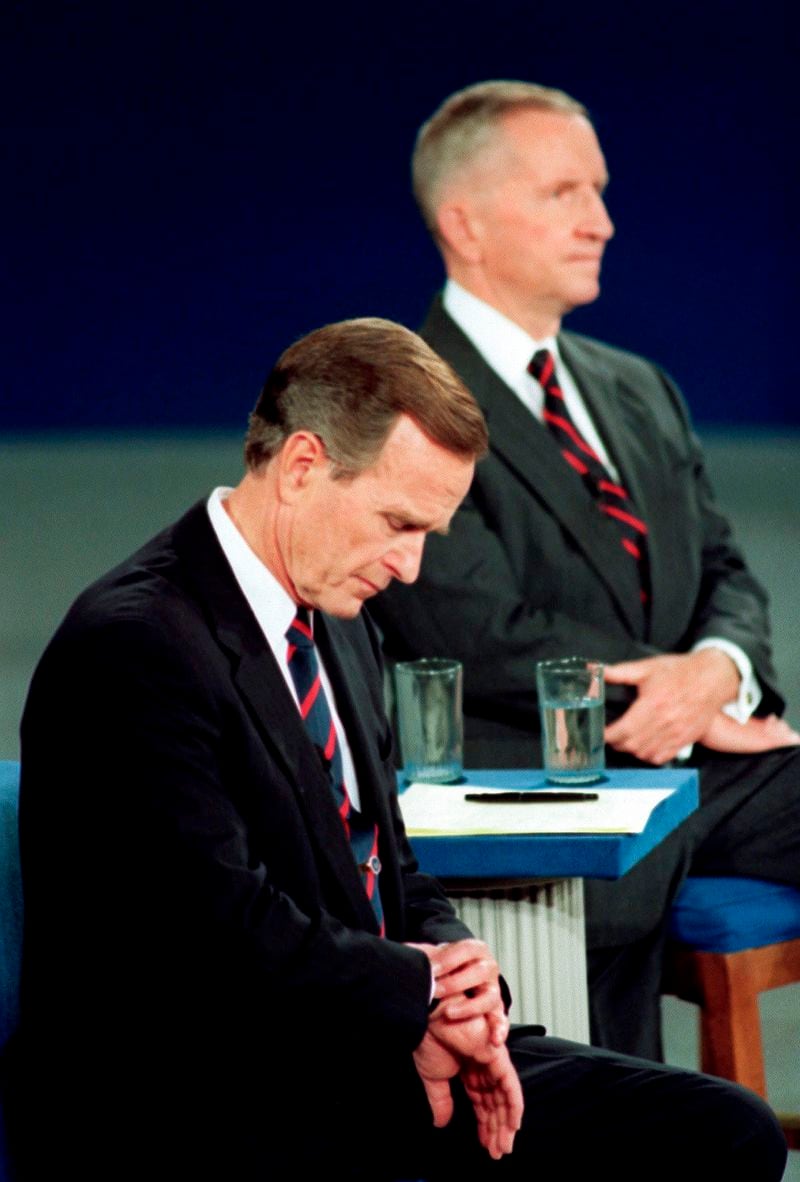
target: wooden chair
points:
(730, 940)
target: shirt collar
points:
(271, 604)
(505, 346)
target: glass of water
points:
(429, 719)
(572, 709)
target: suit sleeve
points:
(730, 604)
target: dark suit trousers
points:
(591, 1114)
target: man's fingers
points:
(459, 968)
(628, 672)
(496, 1096)
(653, 738)
(636, 736)
(655, 751)
(449, 958)
(468, 1039)
(499, 1027)
(778, 733)
(653, 734)
(678, 697)
(486, 1000)
(751, 737)
(440, 1099)
(473, 979)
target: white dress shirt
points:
(508, 349)
(274, 610)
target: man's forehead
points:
(525, 140)
(551, 138)
(408, 441)
(535, 122)
(417, 478)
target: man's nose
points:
(596, 220)
(405, 557)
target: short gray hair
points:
(464, 125)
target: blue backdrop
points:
(189, 187)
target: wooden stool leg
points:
(730, 1025)
(791, 1129)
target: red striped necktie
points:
(611, 498)
(315, 711)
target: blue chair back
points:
(10, 922)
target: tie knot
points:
(542, 366)
(299, 631)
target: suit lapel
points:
(615, 414)
(260, 683)
(621, 418)
(528, 448)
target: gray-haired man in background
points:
(590, 529)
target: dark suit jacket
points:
(531, 570)
(202, 981)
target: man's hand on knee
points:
(678, 698)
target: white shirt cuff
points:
(749, 696)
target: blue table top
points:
(558, 855)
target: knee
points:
(741, 1137)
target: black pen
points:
(535, 797)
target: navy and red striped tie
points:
(611, 498)
(315, 711)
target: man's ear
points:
(301, 460)
(459, 230)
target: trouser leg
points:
(749, 821)
(625, 996)
(625, 935)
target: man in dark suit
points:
(216, 982)
(590, 529)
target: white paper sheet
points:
(441, 810)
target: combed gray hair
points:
(349, 382)
(465, 125)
